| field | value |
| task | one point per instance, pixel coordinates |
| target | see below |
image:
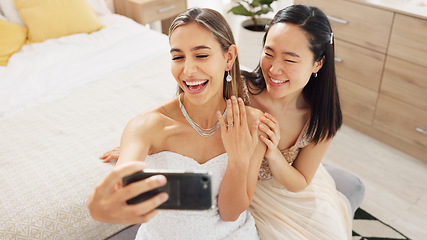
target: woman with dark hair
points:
(295, 197)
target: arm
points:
(108, 202)
(299, 175)
(136, 139)
(245, 154)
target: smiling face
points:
(287, 61)
(198, 62)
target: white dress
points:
(318, 212)
(171, 224)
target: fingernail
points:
(161, 180)
(163, 197)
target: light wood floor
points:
(395, 183)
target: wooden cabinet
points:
(406, 82)
(381, 65)
(356, 23)
(409, 39)
(355, 105)
(351, 59)
(402, 121)
(148, 11)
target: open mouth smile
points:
(277, 82)
(196, 86)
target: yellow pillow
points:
(47, 19)
(12, 38)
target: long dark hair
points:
(321, 93)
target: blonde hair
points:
(218, 26)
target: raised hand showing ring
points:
(236, 135)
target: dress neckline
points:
(299, 139)
(190, 158)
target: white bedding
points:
(49, 152)
(48, 70)
(63, 102)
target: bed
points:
(63, 102)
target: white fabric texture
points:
(317, 212)
(49, 153)
(99, 7)
(10, 12)
(63, 102)
(44, 71)
(187, 225)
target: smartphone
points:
(187, 190)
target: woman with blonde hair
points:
(184, 133)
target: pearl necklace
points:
(204, 132)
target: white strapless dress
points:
(206, 225)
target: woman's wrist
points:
(274, 155)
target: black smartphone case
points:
(187, 191)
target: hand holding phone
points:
(107, 203)
(186, 190)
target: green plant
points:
(253, 9)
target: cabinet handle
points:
(162, 10)
(421, 130)
(338, 20)
(338, 60)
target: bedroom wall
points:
(110, 4)
(223, 6)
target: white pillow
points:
(99, 7)
(2, 17)
(11, 13)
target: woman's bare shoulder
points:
(253, 114)
(153, 119)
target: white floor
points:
(396, 190)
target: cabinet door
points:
(359, 65)
(402, 121)
(356, 23)
(408, 40)
(357, 102)
(406, 82)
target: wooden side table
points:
(149, 11)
